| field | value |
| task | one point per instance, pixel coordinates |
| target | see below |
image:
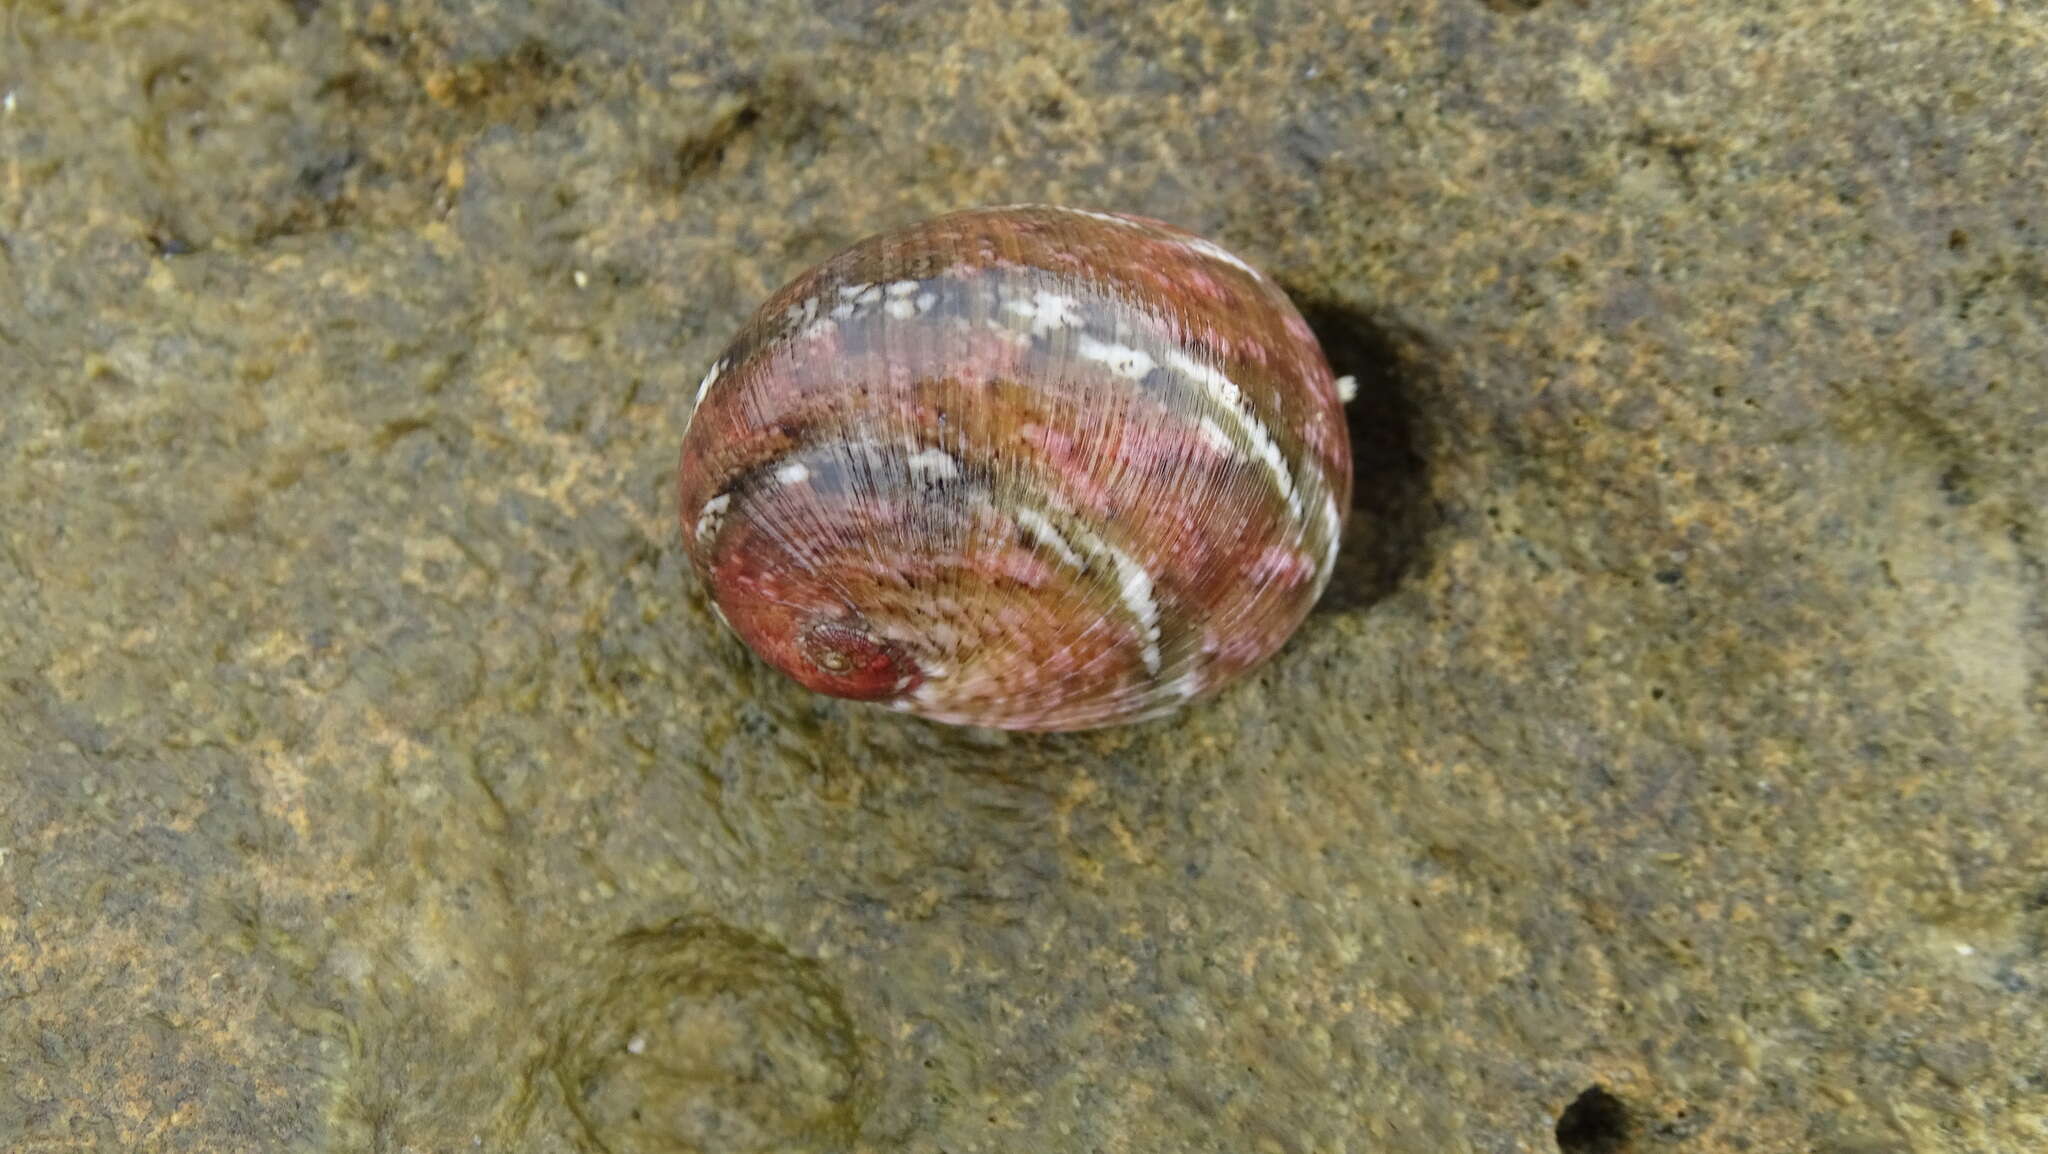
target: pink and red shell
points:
(1029, 467)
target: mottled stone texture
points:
(373, 776)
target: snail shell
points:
(1028, 467)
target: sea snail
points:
(1027, 467)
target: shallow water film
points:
(1663, 769)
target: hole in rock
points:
(1595, 1123)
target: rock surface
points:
(1667, 769)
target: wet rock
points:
(1676, 726)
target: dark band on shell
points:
(1029, 467)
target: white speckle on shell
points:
(1215, 251)
(710, 378)
(1091, 214)
(1214, 434)
(1123, 360)
(1231, 400)
(904, 300)
(1135, 588)
(1347, 388)
(1137, 594)
(794, 473)
(711, 516)
(1047, 311)
(931, 466)
(1333, 527)
(1034, 523)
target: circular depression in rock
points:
(698, 1038)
